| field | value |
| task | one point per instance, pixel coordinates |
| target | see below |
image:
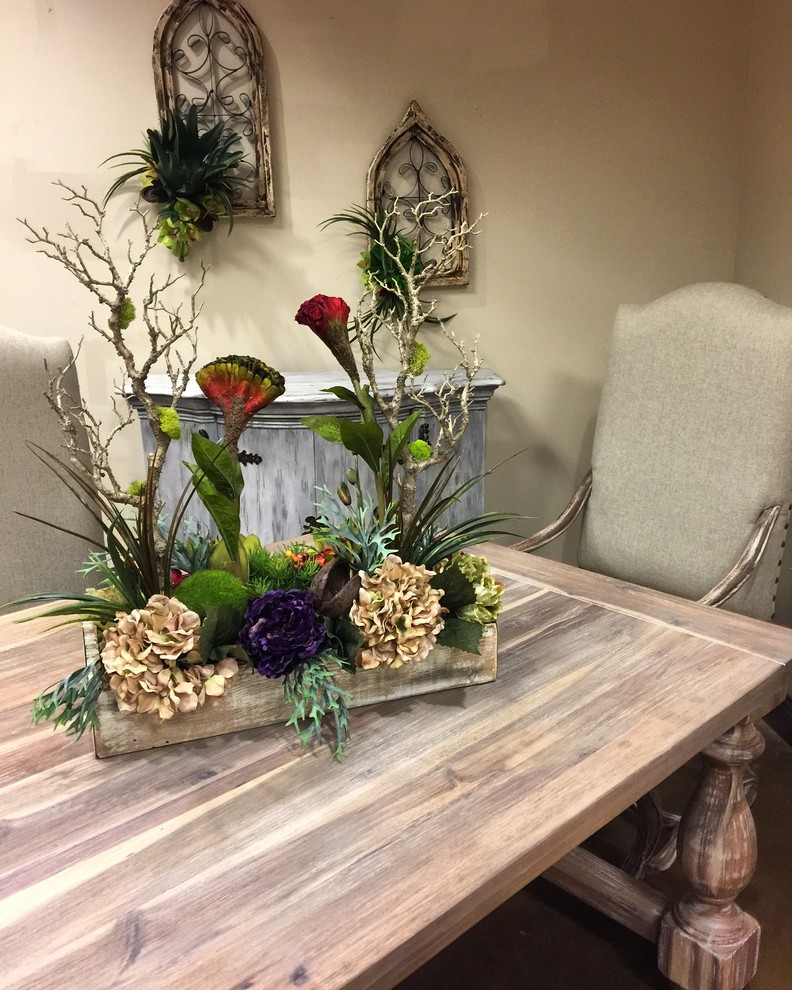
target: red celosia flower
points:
(328, 317)
(240, 386)
(320, 312)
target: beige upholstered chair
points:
(34, 557)
(691, 474)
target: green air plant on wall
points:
(189, 172)
(390, 259)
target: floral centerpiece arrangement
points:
(380, 578)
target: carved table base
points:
(706, 941)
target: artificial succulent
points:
(188, 172)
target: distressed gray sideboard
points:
(280, 490)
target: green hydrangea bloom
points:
(126, 314)
(136, 488)
(214, 206)
(420, 450)
(488, 604)
(169, 422)
(177, 235)
(419, 358)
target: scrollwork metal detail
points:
(207, 53)
(414, 163)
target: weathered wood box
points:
(253, 701)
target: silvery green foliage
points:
(356, 533)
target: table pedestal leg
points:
(706, 941)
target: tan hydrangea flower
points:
(398, 614)
(173, 689)
(151, 657)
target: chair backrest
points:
(693, 441)
(33, 557)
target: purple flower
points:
(281, 631)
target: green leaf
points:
(220, 627)
(225, 512)
(458, 588)
(344, 393)
(399, 436)
(124, 541)
(460, 634)
(72, 701)
(366, 402)
(328, 427)
(80, 607)
(314, 696)
(219, 482)
(364, 439)
(215, 460)
(349, 640)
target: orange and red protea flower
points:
(328, 317)
(240, 387)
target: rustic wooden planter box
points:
(253, 701)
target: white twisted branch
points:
(450, 404)
(89, 259)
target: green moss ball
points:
(126, 314)
(169, 422)
(203, 589)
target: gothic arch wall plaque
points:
(208, 53)
(416, 160)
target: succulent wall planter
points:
(190, 173)
(254, 701)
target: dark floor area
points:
(543, 939)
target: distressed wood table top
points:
(244, 862)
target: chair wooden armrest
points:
(562, 523)
(749, 558)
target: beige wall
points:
(602, 138)
(764, 243)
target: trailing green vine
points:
(314, 694)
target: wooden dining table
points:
(244, 862)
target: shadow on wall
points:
(538, 482)
(569, 541)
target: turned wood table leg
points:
(706, 941)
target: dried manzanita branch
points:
(170, 338)
(408, 274)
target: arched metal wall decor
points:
(208, 53)
(415, 161)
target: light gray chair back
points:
(693, 442)
(33, 557)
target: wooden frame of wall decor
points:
(416, 161)
(208, 53)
